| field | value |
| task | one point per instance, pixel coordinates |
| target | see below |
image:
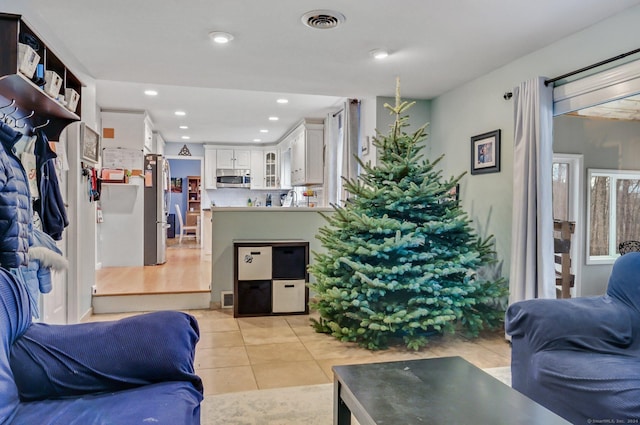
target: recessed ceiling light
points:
(273, 118)
(180, 113)
(220, 37)
(186, 137)
(264, 130)
(379, 53)
(151, 92)
(184, 127)
(282, 100)
(257, 140)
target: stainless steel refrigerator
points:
(157, 179)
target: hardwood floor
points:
(186, 270)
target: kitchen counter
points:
(230, 224)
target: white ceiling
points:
(230, 91)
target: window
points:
(614, 205)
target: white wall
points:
(82, 257)
(478, 107)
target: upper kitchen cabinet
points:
(234, 159)
(307, 162)
(265, 173)
(34, 83)
(127, 129)
(210, 164)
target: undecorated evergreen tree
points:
(401, 257)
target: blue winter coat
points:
(15, 203)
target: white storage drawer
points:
(254, 263)
(288, 296)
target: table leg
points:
(341, 413)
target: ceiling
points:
(229, 91)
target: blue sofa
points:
(137, 370)
(581, 357)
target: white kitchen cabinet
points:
(257, 169)
(127, 129)
(307, 162)
(271, 169)
(210, 164)
(234, 159)
(265, 172)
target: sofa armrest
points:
(595, 324)
(65, 360)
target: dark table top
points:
(447, 390)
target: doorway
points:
(568, 177)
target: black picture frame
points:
(485, 153)
(90, 144)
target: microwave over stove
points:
(226, 177)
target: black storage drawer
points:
(254, 297)
(289, 262)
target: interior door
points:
(568, 205)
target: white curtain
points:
(532, 263)
(351, 144)
(334, 130)
(343, 130)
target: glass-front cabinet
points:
(271, 171)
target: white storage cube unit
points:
(288, 296)
(254, 263)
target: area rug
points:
(306, 405)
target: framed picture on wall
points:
(90, 144)
(176, 184)
(485, 153)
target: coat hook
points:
(13, 101)
(41, 125)
(24, 119)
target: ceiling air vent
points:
(322, 19)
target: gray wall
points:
(478, 107)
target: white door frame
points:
(577, 213)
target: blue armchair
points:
(581, 357)
(137, 370)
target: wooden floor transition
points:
(187, 270)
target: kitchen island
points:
(257, 223)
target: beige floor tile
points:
(265, 322)
(274, 335)
(220, 339)
(286, 374)
(269, 353)
(322, 346)
(227, 380)
(212, 324)
(207, 358)
(211, 314)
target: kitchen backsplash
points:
(238, 197)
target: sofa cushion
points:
(582, 386)
(51, 361)
(169, 403)
(14, 320)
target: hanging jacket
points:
(15, 203)
(50, 205)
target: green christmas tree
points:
(400, 256)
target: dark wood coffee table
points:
(447, 390)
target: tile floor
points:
(280, 351)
